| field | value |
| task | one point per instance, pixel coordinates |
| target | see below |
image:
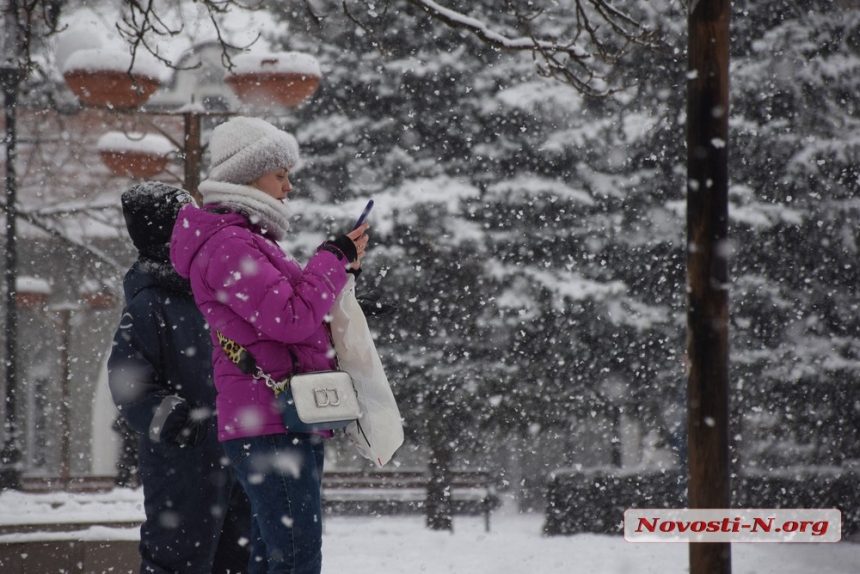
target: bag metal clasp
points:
(277, 386)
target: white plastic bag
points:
(378, 433)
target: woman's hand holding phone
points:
(358, 235)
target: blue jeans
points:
(197, 516)
(282, 475)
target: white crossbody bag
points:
(309, 402)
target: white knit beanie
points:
(242, 149)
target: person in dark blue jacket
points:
(160, 375)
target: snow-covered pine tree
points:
(794, 211)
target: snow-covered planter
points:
(100, 77)
(281, 79)
(135, 155)
(31, 292)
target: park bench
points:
(380, 492)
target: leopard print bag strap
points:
(238, 354)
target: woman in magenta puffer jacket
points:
(249, 290)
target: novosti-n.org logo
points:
(733, 525)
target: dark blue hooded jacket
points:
(160, 368)
(160, 376)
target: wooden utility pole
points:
(707, 271)
(11, 75)
(192, 153)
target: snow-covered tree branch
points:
(143, 24)
(146, 22)
(581, 54)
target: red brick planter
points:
(282, 79)
(32, 293)
(134, 155)
(100, 78)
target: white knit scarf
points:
(263, 210)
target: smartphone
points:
(363, 215)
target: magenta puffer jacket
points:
(252, 292)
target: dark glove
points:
(341, 246)
(372, 307)
(183, 428)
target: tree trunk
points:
(707, 271)
(438, 507)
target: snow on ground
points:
(515, 546)
(393, 545)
